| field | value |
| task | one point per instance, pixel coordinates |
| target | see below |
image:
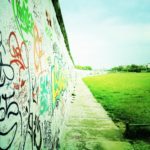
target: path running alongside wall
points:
(89, 127)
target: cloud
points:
(109, 34)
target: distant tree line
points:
(83, 67)
(131, 68)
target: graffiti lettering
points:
(16, 52)
(33, 81)
(6, 70)
(48, 26)
(59, 82)
(47, 134)
(48, 18)
(38, 52)
(1, 42)
(10, 110)
(35, 91)
(24, 19)
(34, 130)
(44, 94)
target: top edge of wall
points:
(62, 26)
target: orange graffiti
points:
(38, 52)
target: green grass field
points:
(126, 96)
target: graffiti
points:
(45, 93)
(59, 82)
(16, 52)
(35, 91)
(34, 131)
(6, 70)
(1, 42)
(48, 32)
(48, 18)
(9, 109)
(47, 134)
(48, 25)
(38, 52)
(33, 81)
(24, 19)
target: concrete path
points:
(89, 127)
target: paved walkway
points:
(89, 127)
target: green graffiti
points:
(24, 19)
(44, 91)
(49, 32)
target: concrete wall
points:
(35, 75)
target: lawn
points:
(126, 96)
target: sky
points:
(107, 33)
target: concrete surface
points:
(89, 127)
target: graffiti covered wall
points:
(35, 75)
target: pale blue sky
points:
(106, 33)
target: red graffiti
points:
(17, 52)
